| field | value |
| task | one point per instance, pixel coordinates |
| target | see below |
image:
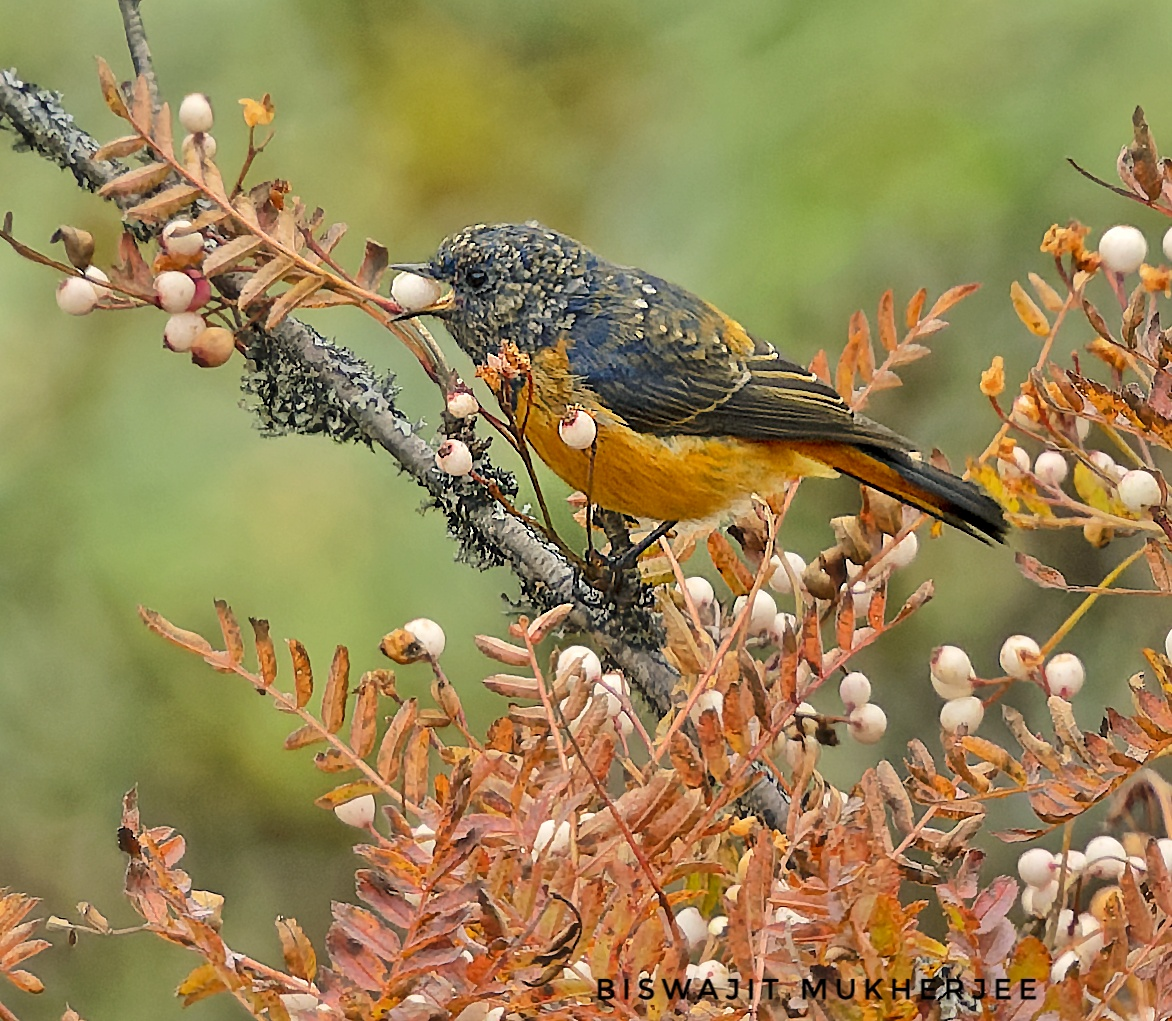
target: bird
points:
(693, 413)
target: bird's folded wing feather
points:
(675, 365)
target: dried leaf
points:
(502, 651)
(188, 640)
(907, 353)
(914, 307)
(1143, 159)
(374, 265)
(820, 366)
(347, 792)
(111, 93)
(712, 745)
(303, 737)
(1033, 317)
(735, 574)
(228, 255)
(1049, 297)
(300, 958)
(333, 700)
(548, 621)
(415, 767)
(364, 725)
(302, 673)
(915, 601)
(263, 279)
(887, 333)
(201, 983)
(950, 298)
(288, 300)
(162, 129)
(165, 204)
(131, 270)
(1039, 573)
(230, 628)
(266, 655)
(390, 752)
(512, 686)
(1158, 565)
(137, 181)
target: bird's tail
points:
(903, 476)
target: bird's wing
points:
(676, 365)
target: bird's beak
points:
(437, 307)
(420, 269)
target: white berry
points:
(701, 591)
(1065, 675)
(867, 723)
(76, 297)
(555, 836)
(1076, 861)
(462, 404)
(358, 812)
(174, 290)
(413, 292)
(1018, 655)
(428, 634)
(904, 551)
(1050, 468)
(693, 926)
(1139, 490)
(453, 457)
(1015, 466)
(179, 239)
(1123, 248)
(1105, 858)
(182, 330)
(1164, 846)
(195, 113)
(587, 661)
(962, 715)
(1167, 245)
(779, 581)
(1106, 464)
(577, 429)
(854, 690)
(781, 623)
(1036, 867)
(1038, 900)
(952, 672)
(761, 615)
(98, 279)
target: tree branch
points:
(300, 382)
(140, 51)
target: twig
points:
(140, 51)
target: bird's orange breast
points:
(668, 478)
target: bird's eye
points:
(476, 278)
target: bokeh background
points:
(789, 161)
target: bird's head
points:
(505, 281)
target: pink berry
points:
(462, 403)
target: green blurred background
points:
(788, 161)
